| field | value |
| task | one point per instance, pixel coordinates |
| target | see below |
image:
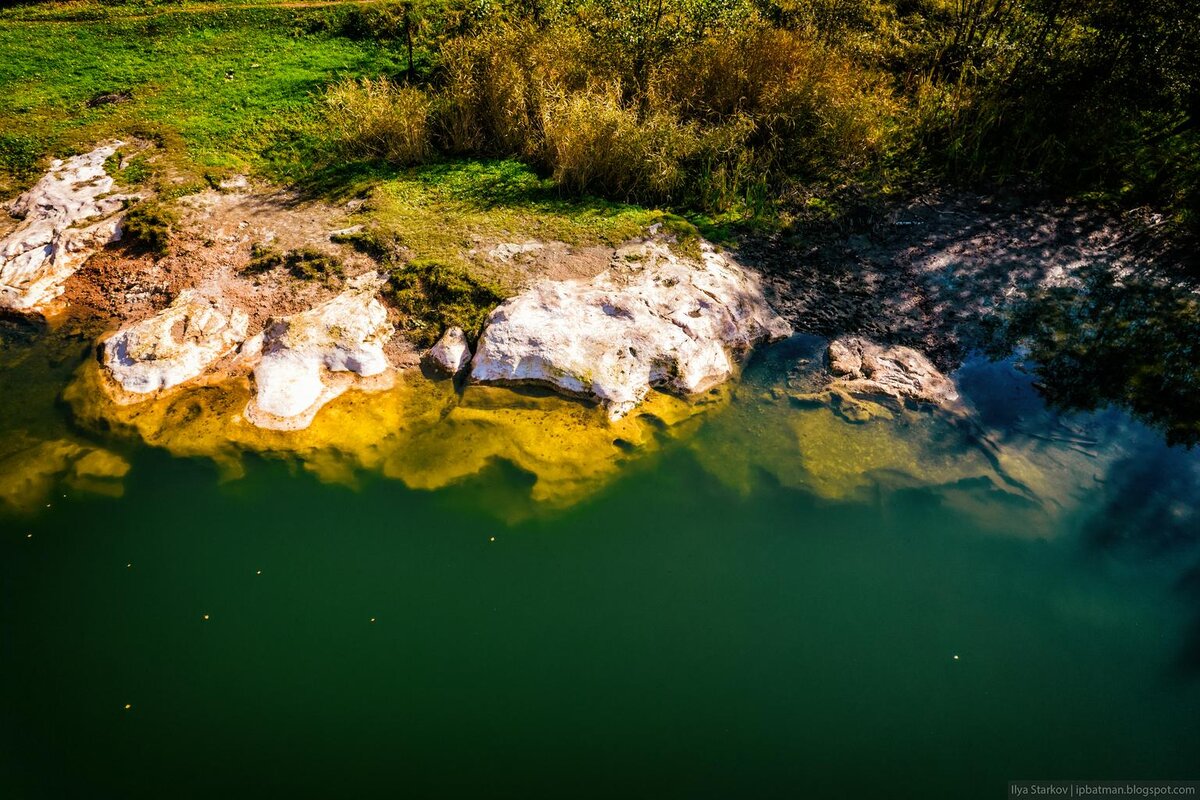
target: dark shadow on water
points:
(1148, 513)
(1187, 664)
(1147, 503)
(17, 330)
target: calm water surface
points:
(737, 613)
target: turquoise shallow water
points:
(716, 621)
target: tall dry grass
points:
(812, 109)
(723, 117)
(378, 118)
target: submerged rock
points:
(312, 357)
(451, 354)
(65, 217)
(653, 319)
(99, 472)
(863, 367)
(173, 346)
(31, 470)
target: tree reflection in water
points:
(1128, 341)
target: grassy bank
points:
(220, 91)
(762, 110)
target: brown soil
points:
(555, 261)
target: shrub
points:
(435, 296)
(811, 109)
(459, 121)
(380, 119)
(383, 22)
(492, 95)
(597, 146)
(594, 144)
(147, 228)
(722, 117)
(496, 86)
(307, 263)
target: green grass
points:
(440, 211)
(88, 10)
(220, 92)
(228, 89)
(435, 296)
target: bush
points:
(812, 110)
(597, 146)
(147, 228)
(459, 123)
(383, 23)
(723, 116)
(436, 296)
(494, 89)
(380, 119)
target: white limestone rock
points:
(507, 251)
(175, 345)
(312, 357)
(451, 354)
(653, 319)
(863, 367)
(65, 217)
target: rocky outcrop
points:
(67, 215)
(451, 354)
(174, 346)
(654, 319)
(312, 357)
(863, 367)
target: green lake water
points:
(737, 613)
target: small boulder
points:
(235, 183)
(863, 367)
(173, 346)
(653, 319)
(312, 357)
(507, 251)
(451, 354)
(65, 217)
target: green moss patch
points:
(307, 263)
(147, 228)
(435, 296)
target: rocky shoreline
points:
(238, 361)
(652, 319)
